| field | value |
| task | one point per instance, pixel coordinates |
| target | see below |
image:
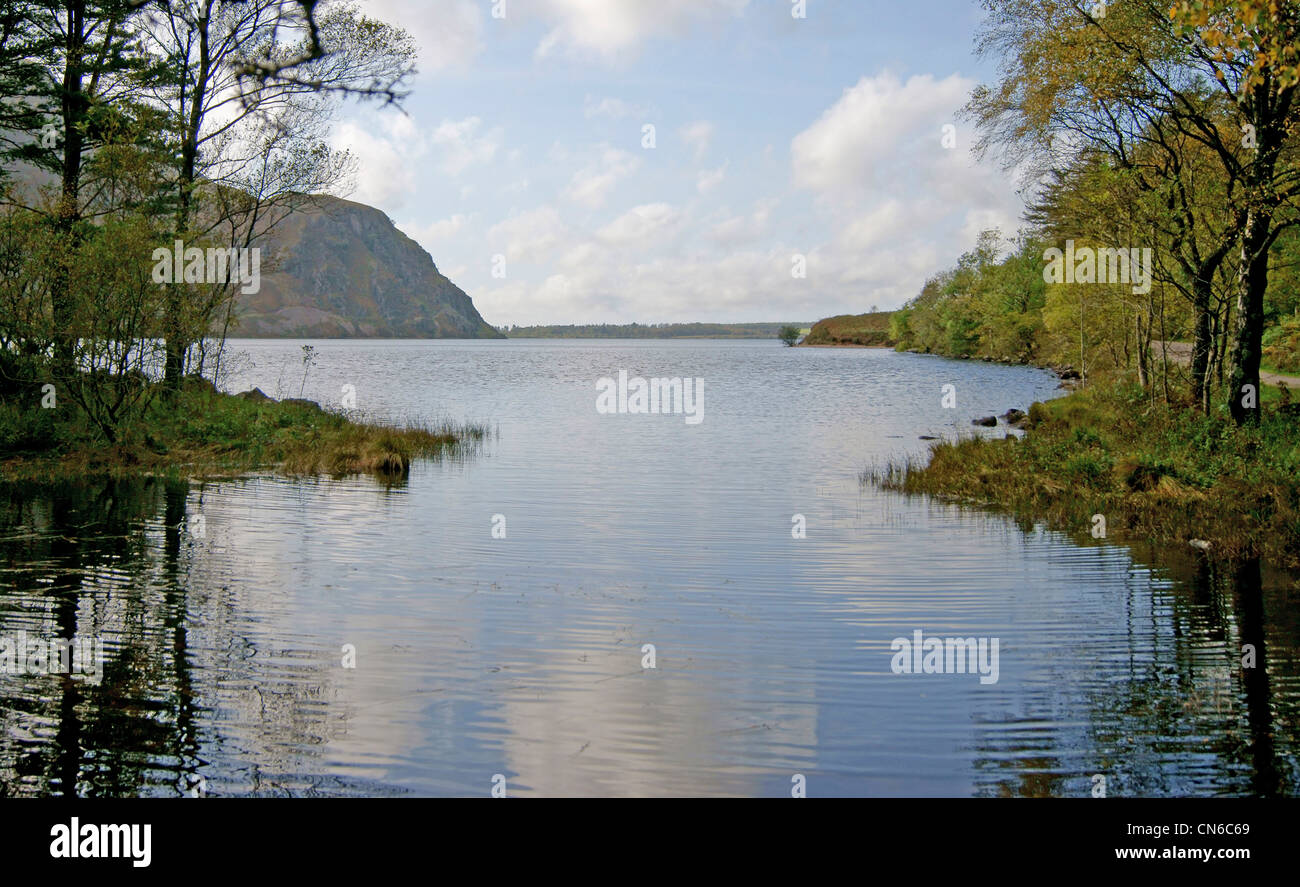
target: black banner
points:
(142, 838)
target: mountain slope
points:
(339, 269)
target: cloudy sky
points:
(523, 149)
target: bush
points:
(852, 329)
(24, 430)
(1282, 346)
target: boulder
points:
(256, 395)
(987, 421)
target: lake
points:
(613, 603)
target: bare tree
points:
(243, 80)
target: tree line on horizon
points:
(1145, 131)
(645, 331)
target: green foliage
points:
(1155, 471)
(202, 432)
(987, 307)
(26, 430)
(871, 330)
(1282, 346)
(112, 98)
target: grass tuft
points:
(200, 432)
(1162, 473)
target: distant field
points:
(652, 331)
(852, 329)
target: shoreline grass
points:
(1157, 473)
(202, 433)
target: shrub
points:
(1282, 346)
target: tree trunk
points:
(1248, 327)
(1202, 339)
(1256, 238)
(1143, 355)
(178, 344)
(69, 213)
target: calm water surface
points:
(225, 607)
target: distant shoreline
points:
(719, 338)
(760, 330)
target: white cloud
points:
(871, 198)
(463, 144)
(388, 152)
(744, 228)
(592, 185)
(697, 136)
(449, 32)
(615, 109)
(899, 206)
(391, 151)
(438, 230)
(709, 179)
(536, 235)
(641, 225)
(874, 125)
(612, 28)
(978, 221)
(875, 227)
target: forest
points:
(1145, 131)
(148, 148)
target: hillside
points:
(339, 269)
(864, 330)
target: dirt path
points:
(1181, 353)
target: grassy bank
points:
(200, 432)
(1154, 472)
(862, 330)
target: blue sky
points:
(522, 152)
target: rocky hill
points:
(339, 269)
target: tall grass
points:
(1155, 472)
(201, 432)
